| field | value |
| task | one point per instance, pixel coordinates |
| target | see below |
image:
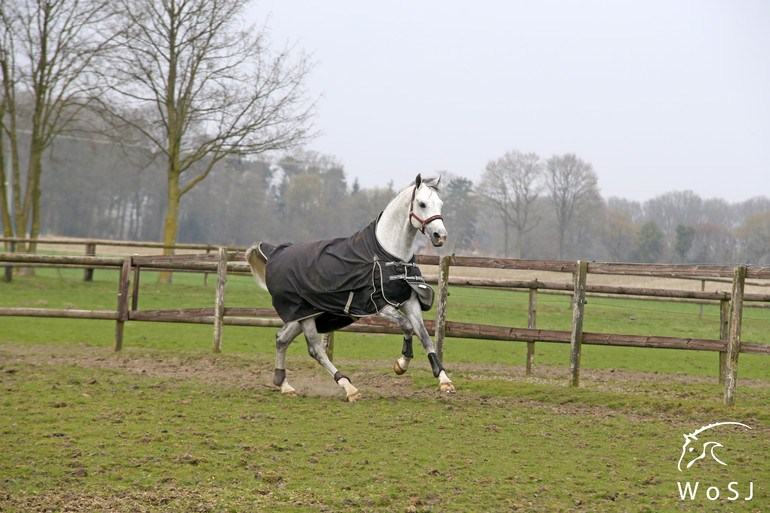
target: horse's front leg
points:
(317, 350)
(389, 313)
(414, 314)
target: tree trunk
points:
(36, 169)
(6, 216)
(4, 206)
(29, 214)
(18, 214)
(505, 238)
(172, 221)
(519, 241)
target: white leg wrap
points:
(445, 384)
(347, 385)
(287, 389)
(350, 391)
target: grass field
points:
(167, 426)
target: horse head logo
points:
(691, 441)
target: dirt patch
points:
(374, 378)
(307, 377)
(129, 502)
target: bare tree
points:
(573, 186)
(673, 208)
(198, 88)
(512, 184)
(46, 51)
(713, 244)
(754, 235)
(461, 210)
(619, 235)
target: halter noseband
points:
(423, 223)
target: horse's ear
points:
(418, 180)
(438, 180)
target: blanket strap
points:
(350, 300)
(401, 264)
(406, 277)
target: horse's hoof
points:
(289, 393)
(448, 388)
(353, 397)
(397, 369)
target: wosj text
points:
(734, 491)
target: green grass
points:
(65, 289)
(85, 429)
(120, 441)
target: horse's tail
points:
(258, 263)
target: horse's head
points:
(425, 210)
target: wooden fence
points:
(89, 249)
(729, 346)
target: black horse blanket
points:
(342, 279)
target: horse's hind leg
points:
(389, 313)
(317, 350)
(283, 339)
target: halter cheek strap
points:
(422, 222)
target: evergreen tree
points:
(685, 235)
(649, 243)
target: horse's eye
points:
(422, 204)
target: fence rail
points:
(93, 243)
(729, 346)
(90, 245)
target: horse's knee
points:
(286, 336)
(315, 349)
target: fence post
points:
(443, 293)
(700, 307)
(123, 285)
(9, 268)
(328, 341)
(576, 338)
(724, 330)
(205, 274)
(88, 273)
(219, 305)
(135, 294)
(734, 336)
(531, 324)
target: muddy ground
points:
(372, 377)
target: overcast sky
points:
(659, 95)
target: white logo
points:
(691, 440)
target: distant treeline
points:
(93, 189)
